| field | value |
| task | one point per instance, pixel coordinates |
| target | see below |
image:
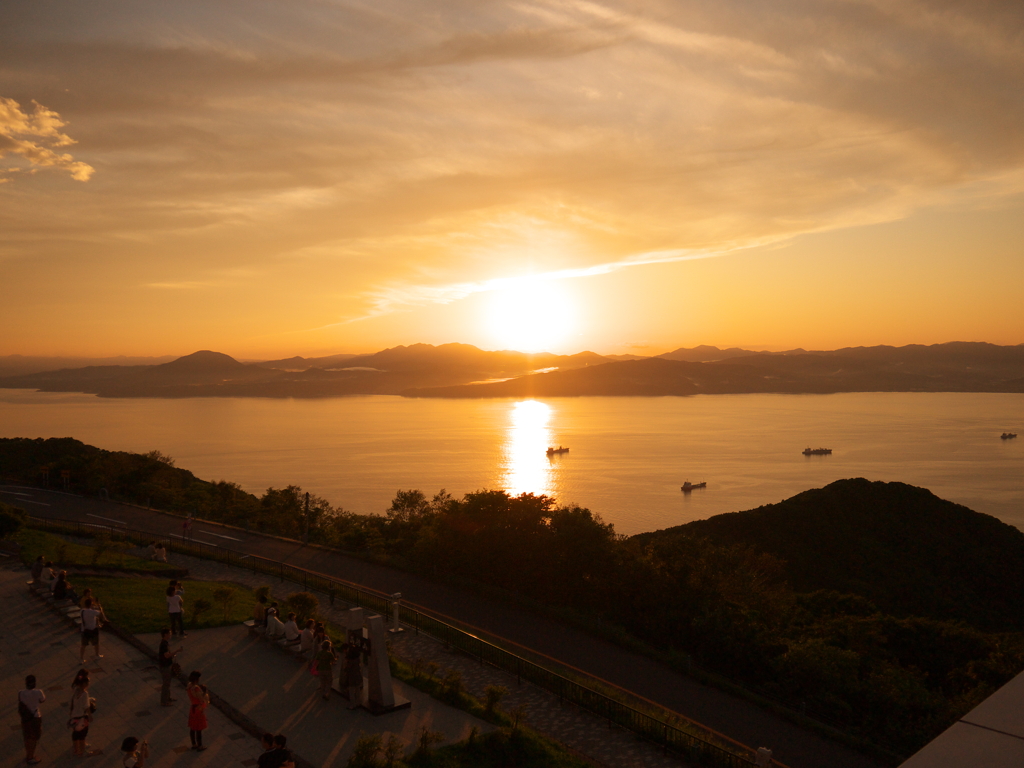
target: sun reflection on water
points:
(526, 468)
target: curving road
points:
(727, 714)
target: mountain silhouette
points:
(452, 370)
(901, 547)
(952, 367)
(213, 374)
(203, 361)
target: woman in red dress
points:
(198, 700)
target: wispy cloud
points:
(383, 156)
(403, 297)
(33, 136)
(184, 285)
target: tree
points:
(101, 544)
(199, 607)
(11, 520)
(364, 755)
(304, 604)
(225, 596)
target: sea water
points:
(627, 458)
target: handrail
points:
(647, 727)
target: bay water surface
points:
(628, 456)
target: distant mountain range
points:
(213, 374)
(19, 365)
(462, 370)
(952, 367)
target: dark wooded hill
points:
(899, 546)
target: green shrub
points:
(452, 687)
(101, 544)
(366, 750)
(11, 520)
(304, 604)
(493, 694)
(427, 740)
(226, 597)
(199, 607)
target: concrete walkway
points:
(35, 640)
(587, 734)
(275, 690)
(728, 714)
(262, 682)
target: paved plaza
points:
(266, 684)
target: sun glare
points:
(531, 315)
(527, 468)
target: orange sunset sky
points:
(278, 178)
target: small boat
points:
(556, 451)
(1008, 435)
(688, 486)
(817, 451)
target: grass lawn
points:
(62, 552)
(139, 605)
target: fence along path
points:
(707, 748)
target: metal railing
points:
(712, 749)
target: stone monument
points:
(380, 696)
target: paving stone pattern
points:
(578, 729)
(35, 640)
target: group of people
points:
(158, 552)
(81, 709)
(43, 573)
(275, 752)
(91, 612)
(312, 641)
(83, 706)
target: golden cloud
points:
(33, 137)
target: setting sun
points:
(530, 315)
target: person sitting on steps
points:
(306, 638)
(291, 630)
(259, 613)
(275, 629)
(62, 589)
(37, 571)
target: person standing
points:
(281, 755)
(198, 702)
(135, 754)
(80, 714)
(165, 658)
(37, 570)
(90, 629)
(325, 659)
(175, 606)
(266, 759)
(353, 673)
(31, 717)
(306, 639)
